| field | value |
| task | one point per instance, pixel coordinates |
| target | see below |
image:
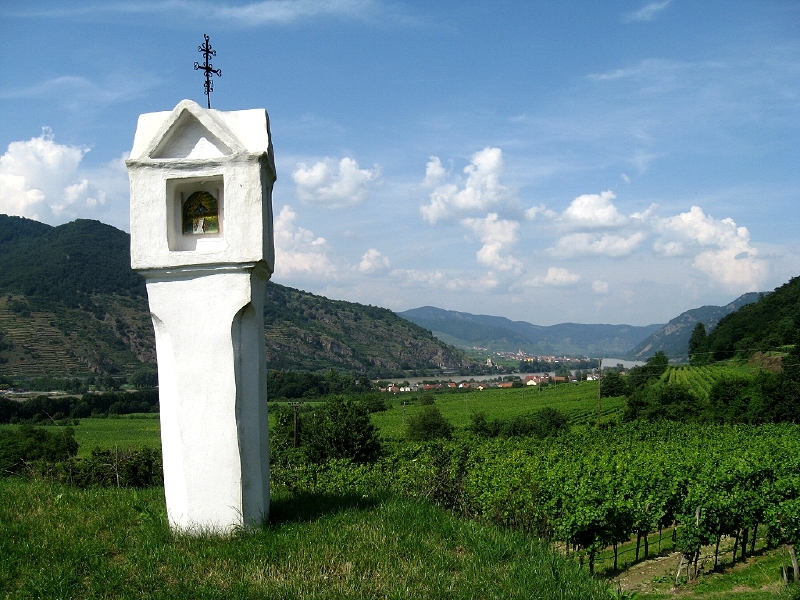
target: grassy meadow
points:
(137, 431)
(577, 401)
(60, 542)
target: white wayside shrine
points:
(201, 234)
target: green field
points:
(61, 542)
(131, 431)
(577, 401)
(144, 432)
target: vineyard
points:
(699, 379)
(594, 489)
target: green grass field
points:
(124, 432)
(61, 542)
(131, 431)
(577, 401)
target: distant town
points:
(534, 370)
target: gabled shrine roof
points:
(192, 132)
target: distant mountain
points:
(466, 330)
(71, 305)
(313, 333)
(673, 338)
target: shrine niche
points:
(200, 214)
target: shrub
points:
(342, 429)
(428, 424)
(28, 444)
(481, 426)
(549, 421)
(374, 403)
(542, 423)
(115, 468)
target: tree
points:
(612, 385)
(728, 399)
(791, 362)
(549, 421)
(110, 384)
(658, 363)
(674, 402)
(145, 377)
(653, 369)
(428, 424)
(342, 429)
(698, 345)
(563, 371)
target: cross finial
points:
(206, 51)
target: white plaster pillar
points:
(206, 273)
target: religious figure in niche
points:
(200, 214)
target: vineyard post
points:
(295, 406)
(599, 378)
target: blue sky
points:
(606, 162)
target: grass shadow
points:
(310, 506)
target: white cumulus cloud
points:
(722, 250)
(373, 262)
(497, 235)
(481, 191)
(593, 210)
(332, 184)
(434, 172)
(587, 244)
(530, 213)
(44, 180)
(297, 250)
(556, 277)
(600, 287)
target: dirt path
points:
(650, 575)
(657, 576)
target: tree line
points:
(52, 409)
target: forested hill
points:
(310, 332)
(673, 338)
(66, 264)
(71, 304)
(767, 325)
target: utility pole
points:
(599, 378)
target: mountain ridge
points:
(501, 333)
(673, 338)
(70, 304)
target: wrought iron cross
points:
(206, 51)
